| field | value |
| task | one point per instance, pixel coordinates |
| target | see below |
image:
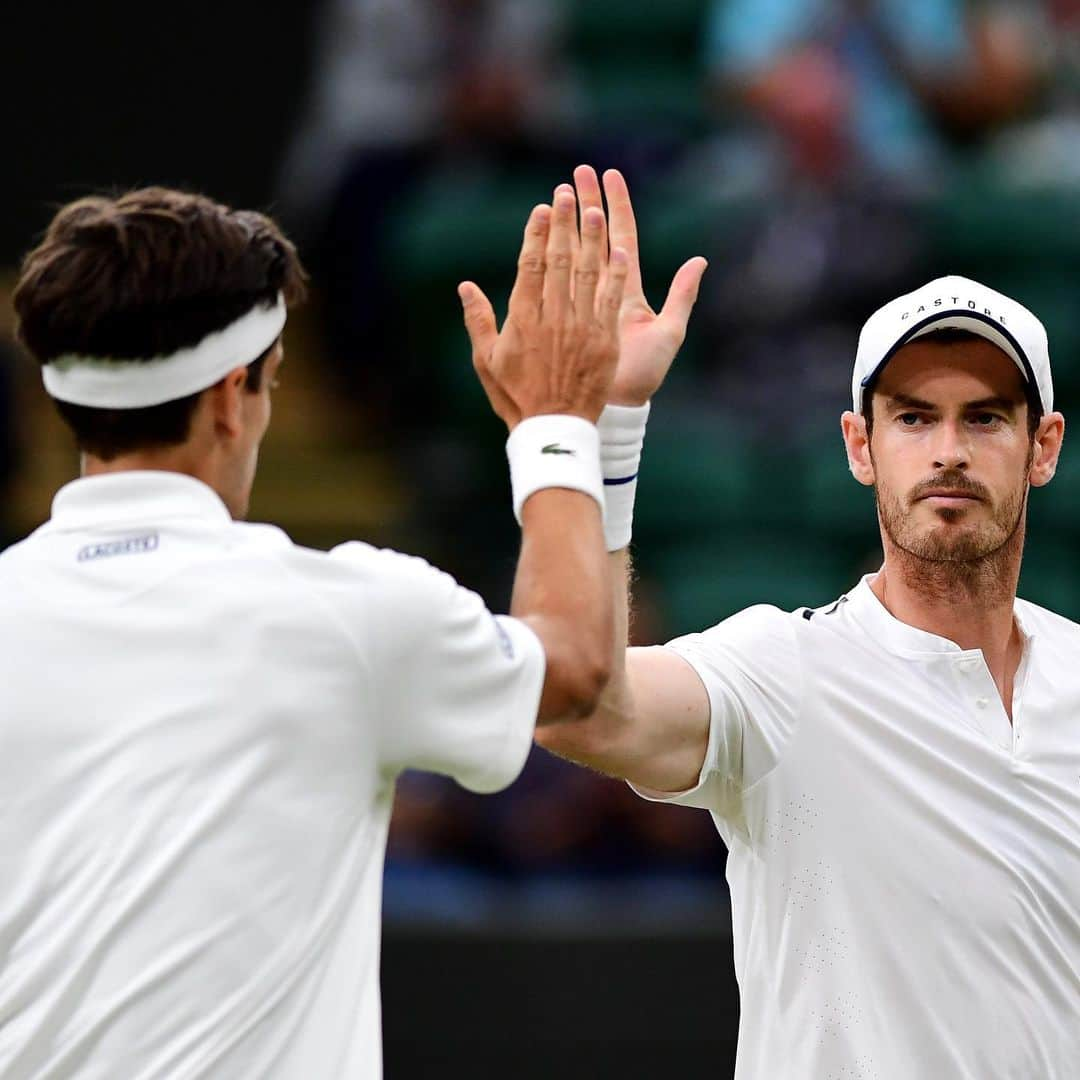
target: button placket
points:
(980, 694)
(1020, 682)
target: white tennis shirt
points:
(200, 728)
(904, 864)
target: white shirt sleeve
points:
(752, 673)
(457, 688)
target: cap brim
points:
(974, 322)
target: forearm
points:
(651, 723)
(595, 740)
(601, 740)
(561, 591)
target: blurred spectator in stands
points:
(854, 111)
(1044, 152)
(870, 85)
(403, 88)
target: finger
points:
(683, 294)
(560, 254)
(587, 270)
(575, 238)
(623, 228)
(614, 286)
(479, 318)
(529, 282)
(588, 193)
(483, 333)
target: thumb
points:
(683, 294)
(479, 318)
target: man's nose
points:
(951, 450)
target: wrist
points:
(622, 436)
(554, 451)
(589, 416)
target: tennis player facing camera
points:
(896, 775)
(202, 722)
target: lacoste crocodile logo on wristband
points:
(555, 448)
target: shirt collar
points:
(137, 495)
(900, 637)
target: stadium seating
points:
(639, 64)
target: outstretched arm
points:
(651, 725)
(652, 722)
(551, 366)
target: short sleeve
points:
(457, 688)
(751, 670)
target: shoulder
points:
(1056, 644)
(752, 629)
(755, 648)
(353, 564)
(375, 595)
(254, 537)
(18, 560)
(15, 552)
(751, 667)
(390, 570)
(1047, 625)
(387, 589)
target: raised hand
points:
(648, 341)
(558, 348)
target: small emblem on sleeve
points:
(131, 545)
(555, 448)
(504, 640)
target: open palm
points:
(648, 340)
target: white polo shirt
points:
(904, 864)
(200, 728)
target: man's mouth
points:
(949, 497)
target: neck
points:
(186, 459)
(171, 459)
(970, 603)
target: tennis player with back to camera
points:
(896, 775)
(202, 722)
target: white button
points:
(982, 702)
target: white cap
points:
(961, 304)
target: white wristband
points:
(556, 451)
(622, 435)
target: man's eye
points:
(986, 419)
(909, 419)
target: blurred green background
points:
(825, 156)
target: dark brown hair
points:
(143, 275)
(950, 335)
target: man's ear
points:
(227, 402)
(1046, 449)
(857, 443)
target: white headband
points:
(104, 383)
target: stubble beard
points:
(945, 563)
